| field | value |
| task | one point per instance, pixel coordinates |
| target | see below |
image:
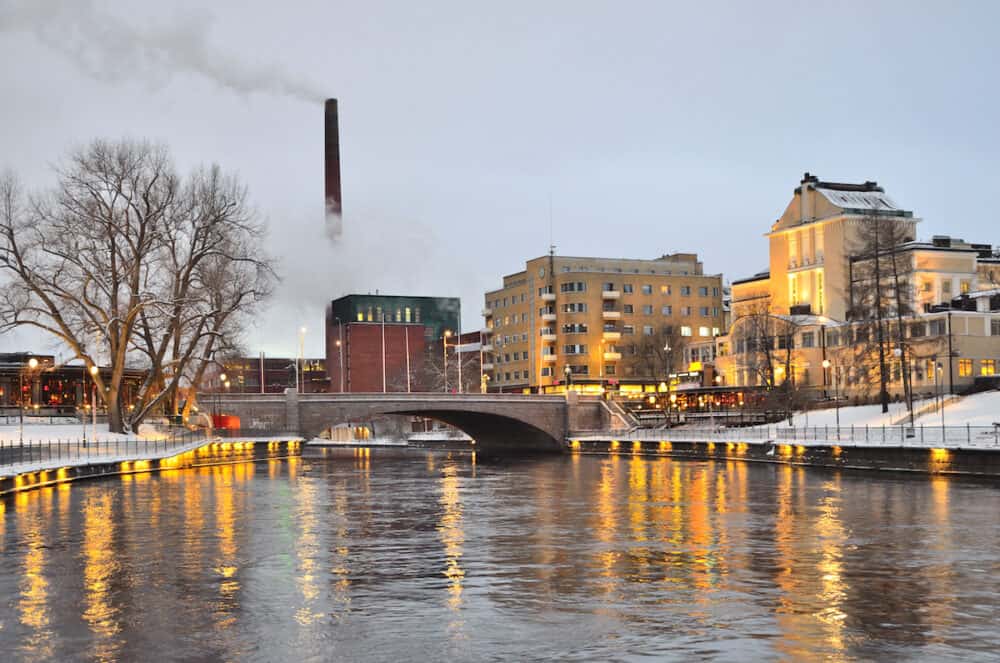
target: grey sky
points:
(654, 127)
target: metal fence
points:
(903, 435)
(77, 450)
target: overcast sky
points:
(652, 127)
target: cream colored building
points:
(590, 315)
(809, 290)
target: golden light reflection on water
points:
(452, 534)
(307, 551)
(341, 567)
(832, 537)
(33, 602)
(100, 568)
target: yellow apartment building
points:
(597, 323)
(951, 333)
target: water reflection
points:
(358, 555)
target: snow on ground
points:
(45, 433)
(981, 409)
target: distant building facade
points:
(53, 388)
(598, 323)
(950, 334)
(270, 375)
(378, 343)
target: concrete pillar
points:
(292, 410)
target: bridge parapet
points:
(499, 421)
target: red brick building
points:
(378, 343)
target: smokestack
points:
(332, 162)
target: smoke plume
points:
(106, 47)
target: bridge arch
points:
(499, 422)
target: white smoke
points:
(106, 47)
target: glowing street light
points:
(444, 345)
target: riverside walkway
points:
(36, 463)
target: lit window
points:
(664, 289)
(703, 331)
(685, 331)
(988, 367)
(964, 367)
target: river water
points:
(406, 555)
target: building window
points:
(361, 316)
(579, 370)
(685, 310)
(938, 327)
(664, 289)
(647, 289)
(575, 328)
(573, 286)
(703, 291)
(647, 330)
(609, 369)
(964, 367)
(716, 331)
(808, 340)
(685, 290)
(667, 310)
(988, 367)
(575, 307)
(647, 309)
(715, 292)
(627, 288)
(627, 308)
(995, 327)
(575, 349)
(703, 331)
(685, 331)
(964, 287)
(546, 371)
(628, 329)
(408, 313)
(704, 311)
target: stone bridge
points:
(506, 422)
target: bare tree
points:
(659, 354)
(127, 263)
(880, 292)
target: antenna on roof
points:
(552, 245)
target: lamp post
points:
(298, 371)
(94, 370)
(937, 392)
(900, 356)
(444, 346)
(32, 365)
(569, 377)
(836, 396)
(340, 350)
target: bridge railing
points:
(18, 455)
(920, 436)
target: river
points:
(394, 555)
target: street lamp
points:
(836, 396)
(569, 377)
(32, 365)
(340, 350)
(298, 371)
(444, 347)
(897, 352)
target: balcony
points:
(549, 338)
(612, 336)
(551, 357)
(487, 365)
(612, 356)
(487, 347)
(548, 296)
(486, 331)
(487, 312)
(549, 317)
(611, 315)
(611, 294)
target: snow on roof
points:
(874, 200)
(992, 292)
